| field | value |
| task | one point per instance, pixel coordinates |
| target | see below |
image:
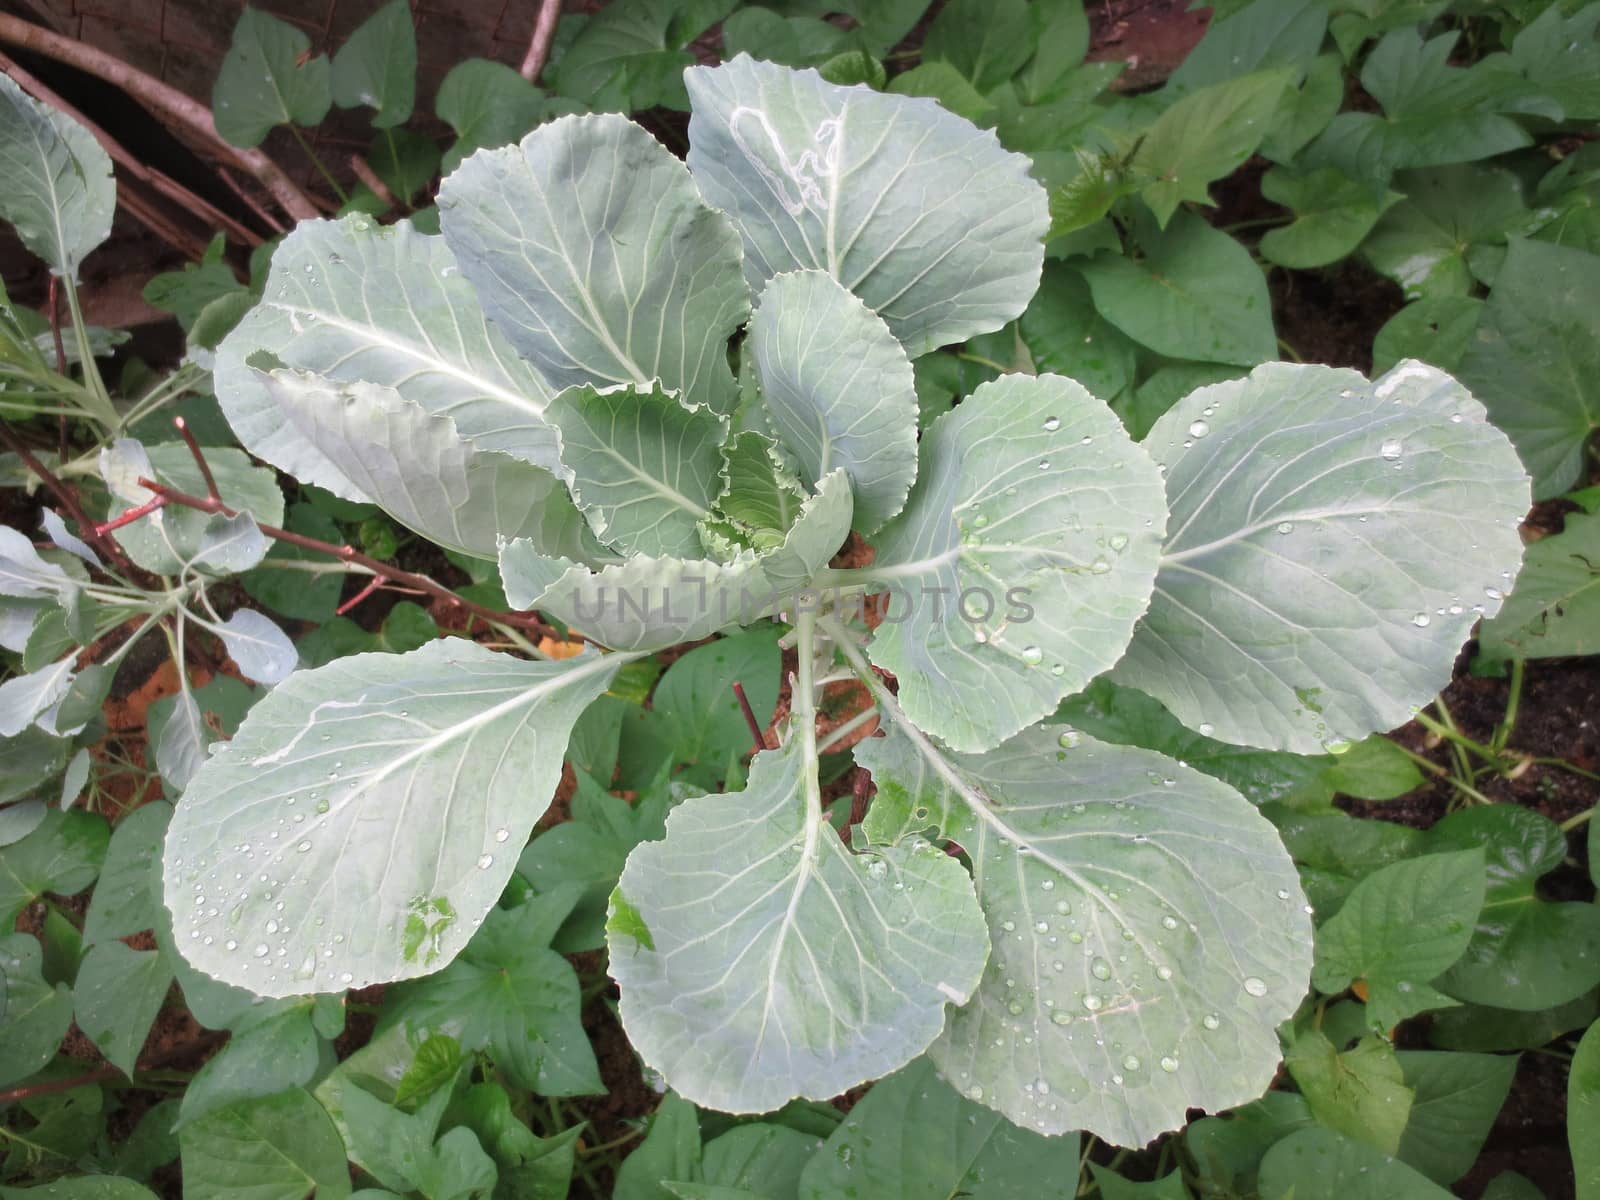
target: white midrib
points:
(804, 726)
(603, 332)
(833, 194)
(603, 662)
(976, 802)
(489, 388)
(1291, 518)
(660, 487)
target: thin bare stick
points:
(544, 34)
(53, 301)
(250, 202)
(373, 585)
(184, 432)
(368, 176)
(162, 99)
(154, 218)
(132, 515)
(349, 554)
(100, 1074)
(164, 184)
(68, 499)
(750, 716)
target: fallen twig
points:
(162, 99)
(368, 176)
(164, 184)
(544, 34)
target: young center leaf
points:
(1149, 931)
(595, 256)
(773, 148)
(1024, 556)
(356, 301)
(761, 959)
(59, 194)
(837, 389)
(364, 818)
(648, 602)
(1330, 545)
(645, 468)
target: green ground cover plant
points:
(898, 410)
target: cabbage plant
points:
(662, 397)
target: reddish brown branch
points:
(129, 517)
(750, 716)
(101, 1074)
(349, 554)
(69, 500)
(373, 585)
(53, 301)
(182, 427)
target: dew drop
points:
(1051, 424)
(1211, 1021)
(1206, 728)
(1391, 450)
(303, 847)
(1044, 464)
(1255, 986)
(1100, 969)
(1493, 593)
(1069, 739)
(260, 951)
(1131, 1063)
(486, 862)
(501, 835)
(1032, 655)
(1285, 526)
(1420, 620)
(1198, 429)
(1169, 1064)
(1060, 1018)
(974, 1092)
(1092, 1002)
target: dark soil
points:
(1530, 1133)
